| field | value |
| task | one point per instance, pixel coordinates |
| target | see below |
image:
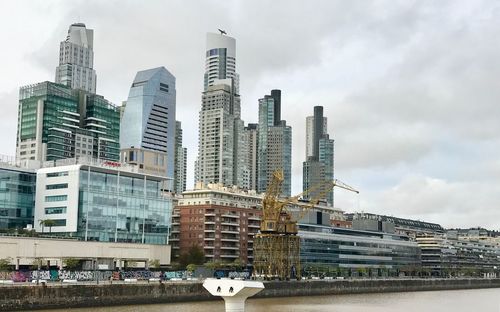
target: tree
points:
(42, 224)
(191, 267)
(5, 264)
(50, 223)
(72, 263)
(154, 263)
(194, 255)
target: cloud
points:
(410, 88)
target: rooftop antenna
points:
(222, 32)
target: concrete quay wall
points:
(65, 296)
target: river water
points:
(476, 300)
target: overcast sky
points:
(411, 89)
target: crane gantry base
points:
(277, 256)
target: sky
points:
(411, 89)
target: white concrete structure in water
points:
(234, 292)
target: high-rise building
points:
(148, 122)
(318, 166)
(221, 150)
(76, 59)
(251, 140)
(56, 122)
(310, 133)
(180, 161)
(274, 144)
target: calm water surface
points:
(476, 300)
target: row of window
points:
(56, 198)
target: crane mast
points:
(277, 245)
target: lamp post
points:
(37, 266)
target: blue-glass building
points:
(17, 197)
(148, 121)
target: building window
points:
(56, 186)
(57, 174)
(55, 210)
(56, 198)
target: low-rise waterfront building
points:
(23, 251)
(220, 220)
(95, 200)
(326, 247)
(17, 195)
(390, 224)
(443, 256)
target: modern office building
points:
(148, 121)
(323, 248)
(221, 150)
(95, 200)
(17, 195)
(76, 59)
(274, 144)
(318, 168)
(180, 161)
(220, 220)
(56, 122)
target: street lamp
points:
(37, 266)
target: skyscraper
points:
(251, 140)
(220, 62)
(56, 122)
(318, 166)
(274, 144)
(220, 144)
(148, 122)
(76, 59)
(310, 133)
(180, 161)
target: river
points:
(477, 300)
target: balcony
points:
(230, 247)
(229, 232)
(211, 214)
(231, 216)
(254, 218)
(229, 239)
(209, 230)
(229, 256)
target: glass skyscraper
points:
(148, 121)
(56, 122)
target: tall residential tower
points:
(318, 166)
(220, 144)
(274, 145)
(76, 59)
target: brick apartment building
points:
(221, 220)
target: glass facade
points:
(17, 198)
(64, 116)
(122, 208)
(324, 246)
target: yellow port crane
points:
(277, 246)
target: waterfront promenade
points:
(57, 295)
